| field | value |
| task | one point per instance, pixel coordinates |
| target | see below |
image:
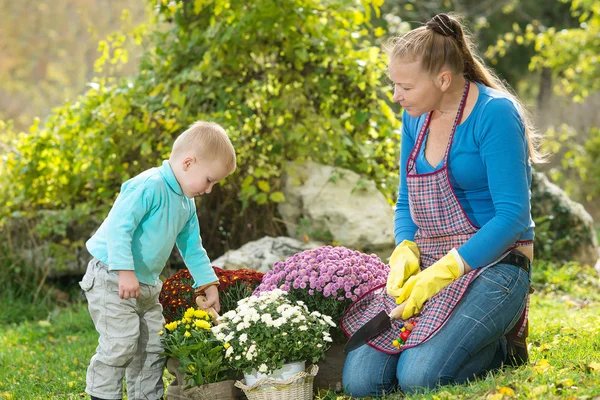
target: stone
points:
(261, 254)
(337, 206)
(564, 229)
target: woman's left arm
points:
(504, 152)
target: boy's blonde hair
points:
(206, 140)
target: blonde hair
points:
(207, 140)
(442, 41)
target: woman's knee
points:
(368, 372)
(415, 380)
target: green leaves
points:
(294, 80)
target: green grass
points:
(47, 357)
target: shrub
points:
(289, 80)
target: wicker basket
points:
(298, 387)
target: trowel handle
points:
(397, 312)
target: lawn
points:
(47, 358)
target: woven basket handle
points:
(310, 372)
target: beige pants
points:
(129, 344)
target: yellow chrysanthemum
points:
(227, 345)
(187, 334)
(200, 314)
(200, 323)
(189, 313)
(171, 326)
(161, 332)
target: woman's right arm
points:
(404, 227)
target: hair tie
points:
(442, 24)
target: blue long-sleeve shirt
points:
(490, 172)
(149, 216)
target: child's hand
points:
(129, 286)
(212, 298)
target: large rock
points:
(564, 229)
(261, 254)
(336, 205)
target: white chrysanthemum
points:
(263, 368)
(229, 351)
(303, 328)
(243, 338)
(266, 318)
(240, 326)
(329, 321)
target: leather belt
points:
(518, 259)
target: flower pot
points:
(287, 371)
(330, 369)
(296, 387)
(225, 390)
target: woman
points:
(463, 225)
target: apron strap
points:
(410, 165)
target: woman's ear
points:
(444, 80)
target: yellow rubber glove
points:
(404, 263)
(423, 286)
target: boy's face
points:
(198, 176)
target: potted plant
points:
(197, 359)
(177, 294)
(327, 279)
(271, 336)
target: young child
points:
(154, 211)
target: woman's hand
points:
(404, 263)
(423, 286)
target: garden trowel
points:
(376, 325)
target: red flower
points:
(177, 293)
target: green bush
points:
(289, 80)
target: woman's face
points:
(414, 88)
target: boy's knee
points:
(118, 354)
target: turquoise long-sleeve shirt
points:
(150, 216)
(489, 171)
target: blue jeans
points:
(468, 345)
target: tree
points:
(288, 79)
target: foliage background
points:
(122, 94)
(291, 80)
